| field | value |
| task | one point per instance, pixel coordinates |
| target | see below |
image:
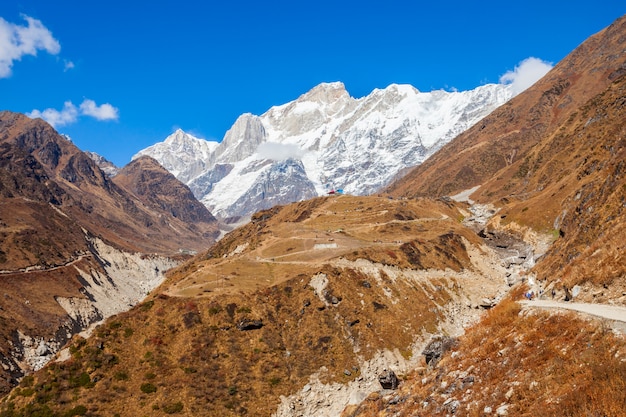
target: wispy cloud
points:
(67, 65)
(279, 151)
(17, 41)
(526, 73)
(70, 113)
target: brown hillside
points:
(159, 190)
(585, 198)
(94, 201)
(317, 289)
(54, 200)
(517, 362)
(555, 165)
(30, 226)
(550, 160)
(507, 135)
(29, 308)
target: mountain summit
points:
(334, 141)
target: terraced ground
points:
(324, 229)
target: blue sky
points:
(129, 73)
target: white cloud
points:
(57, 118)
(526, 73)
(17, 41)
(69, 114)
(102, 112)
(279, 151)
(67, 65)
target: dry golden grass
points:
(188, 349)
(309, 234)
(537, 363)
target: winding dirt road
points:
(609, 312)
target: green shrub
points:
(120, 376)
(79, 410)
(274, 381)
(147, 305)
(82, 380)
(173, 408)
(148, 388)
(214, 309)
(25, 392)
(27, 381)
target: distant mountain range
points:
(322, 141)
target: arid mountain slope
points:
(516, 363)
(566, 179)
(297, 312)
(160, 191)
(300, 311)
(552, 160)
(573, 182)
(507, 134)
(95, 201)
(75, 247)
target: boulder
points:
(388, 379)
(435, 349)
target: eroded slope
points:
(301, 309)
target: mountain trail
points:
(616, 314)
(39, 268)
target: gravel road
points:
(610, 312)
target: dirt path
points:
(610, 312)
(37, 268)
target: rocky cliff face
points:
(283, 181)
(108, 282)
(358, 145)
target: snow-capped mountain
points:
(182, 154)
(321, 141)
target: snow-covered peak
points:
(241, 140)
(105, 165)
(179, 136)
(182, 154)
(325, 93)
(331, 139)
